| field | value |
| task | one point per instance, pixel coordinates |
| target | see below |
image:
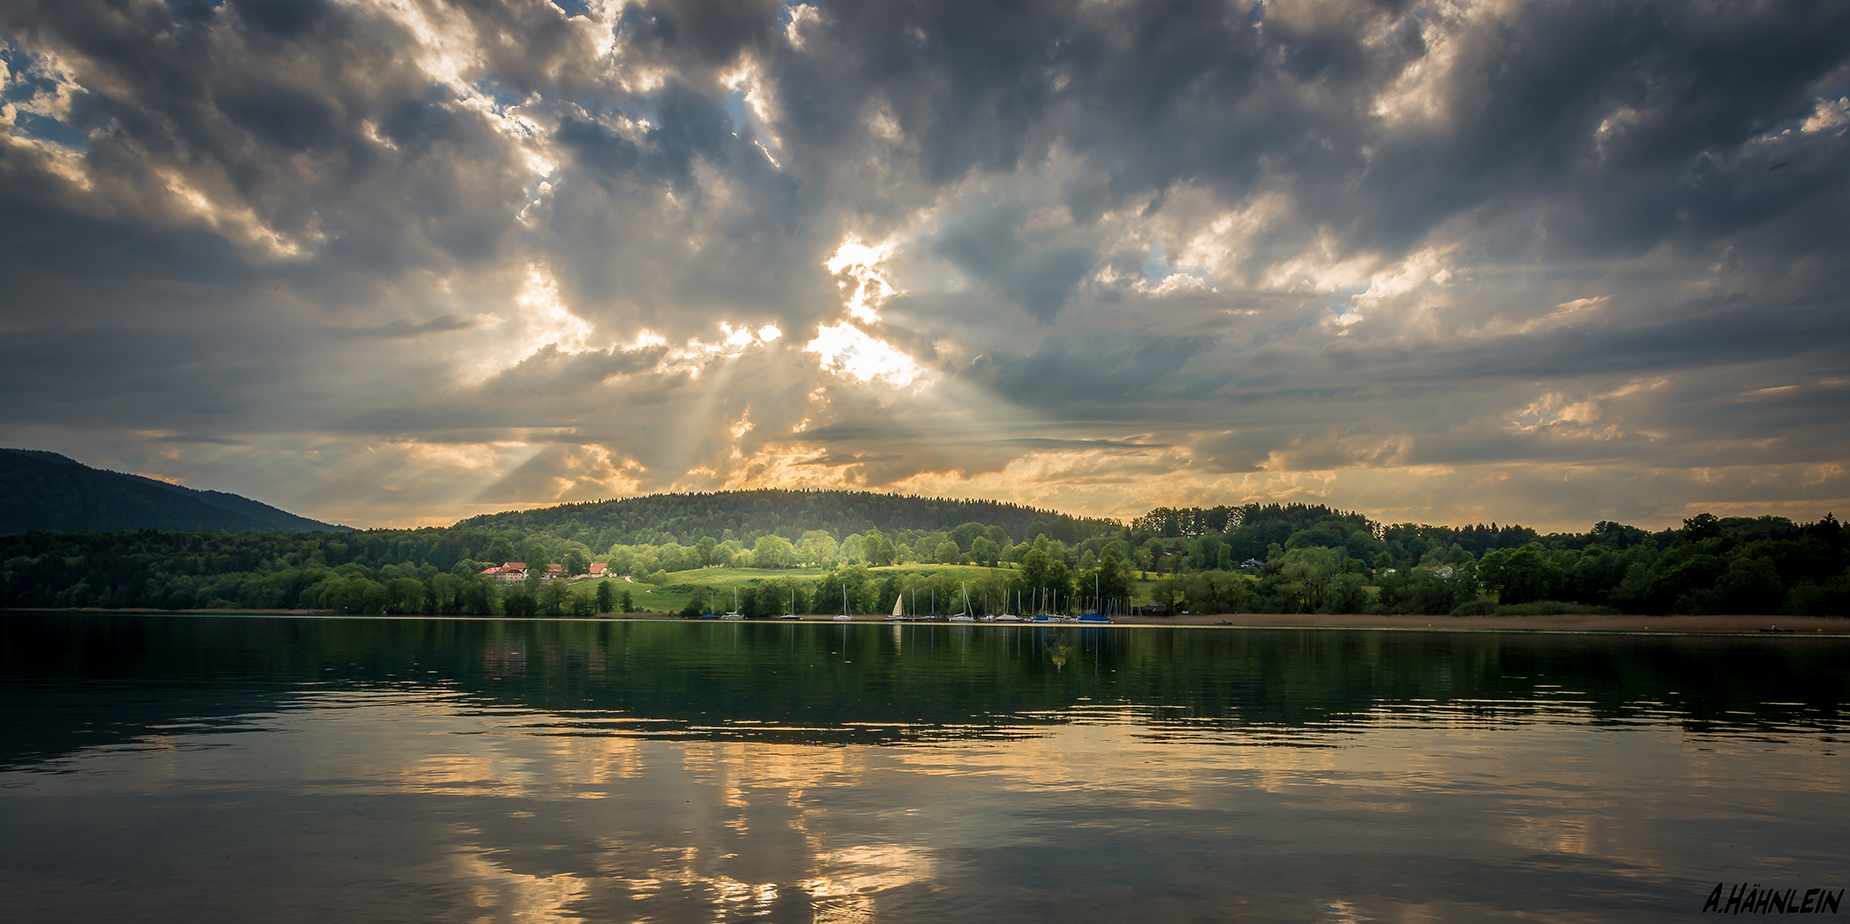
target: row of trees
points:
(1167, 540)
(743, 516)
(1312, 558)
(1712, 565)
(970, 543)
(1039, 585)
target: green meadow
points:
(719, 582)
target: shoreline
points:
(1689, 625)
(1592, 624)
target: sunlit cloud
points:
(867, 287)
(545, 315)
(848, 350)
(398, 262)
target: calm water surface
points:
(237, 768)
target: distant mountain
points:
(47, 491)
(745, 515)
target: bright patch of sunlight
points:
(848, 350)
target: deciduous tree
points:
(773, 552)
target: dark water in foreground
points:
(232, 769)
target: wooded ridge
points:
(48, 491)
(821, 550)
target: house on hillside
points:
(512, 572)
(599, 569)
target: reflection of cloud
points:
(517, 896)
(518, 802)
(1555, 834)
(855, 871)
(852, 878)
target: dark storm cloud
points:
(830, 460)
(201, 438)
(1038, 274)
(1263, 239)
(1192, 95)
(689, 127)
(1042, 443)
(115, 378)
(442, 324)
(547, 389)
(700, 33)
(1077, 374)
(1735, 333)
(272, 110)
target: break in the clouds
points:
(401, 261)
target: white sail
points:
(897, 610)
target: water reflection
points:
(471, 770)
(841, 684)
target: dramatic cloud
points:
(402, 261)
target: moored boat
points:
(964, 616)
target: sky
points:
(398, 262)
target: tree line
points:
(743, 516)
(1256, 558)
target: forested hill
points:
(746, 515)
(47, 491)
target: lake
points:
(232, 768)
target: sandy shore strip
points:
(1806, 625)
(1723, 625)
(1694, 625)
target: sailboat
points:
(734, 612)
(1010, 617)
(1098, 605)
(844, 617)
(790, 603)
(965, 615)
(899, 609)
